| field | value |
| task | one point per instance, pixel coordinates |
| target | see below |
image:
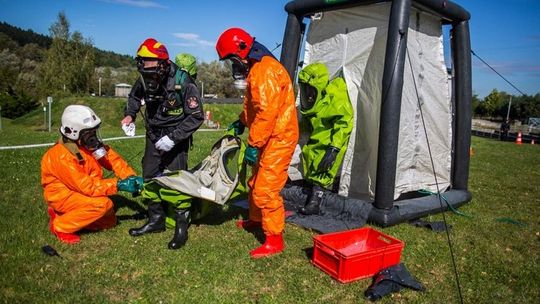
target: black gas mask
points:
(91, 140)
(152, 76)
(240, 71)
(308, 96)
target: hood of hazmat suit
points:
(331, 119)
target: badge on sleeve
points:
(192, 102)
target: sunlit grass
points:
(496, 261)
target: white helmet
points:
(77, 118)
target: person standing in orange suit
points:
(269, 113)
(72, 177)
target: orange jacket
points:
(62, 173)
(269, 105)
(270, 114)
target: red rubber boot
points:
(68, 238)
(248, 224)
(273, 245)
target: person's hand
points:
(238, 127)
(129, 129)
(132, 184)
(328, 159)
(164, 144)
(251, 155)
(127, 120)
(139, 182)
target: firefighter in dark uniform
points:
(173, 112)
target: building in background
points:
(122, 89)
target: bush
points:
(14, 105)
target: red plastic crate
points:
(355, 254)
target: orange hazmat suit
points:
(76, 189)
(270, 114)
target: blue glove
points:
(132, 184)
(139, 182)
(164, 144)
(238, 127)
(251, 155)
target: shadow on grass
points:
(219, 215)
(258, 234)
(124, 202)
(308, 252)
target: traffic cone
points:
(518, 139)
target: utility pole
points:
(49, 101)
(99, 91)
(509, 105)
(202, 89)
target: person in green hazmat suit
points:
(187, 63)
(326, 105)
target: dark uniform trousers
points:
(154, 161)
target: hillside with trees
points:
(25, 37)
(33, 66)
(65, 63)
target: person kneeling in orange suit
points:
(72, 177)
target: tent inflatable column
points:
(291, 43)
(461, 51)
(392, 84)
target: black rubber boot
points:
(312, 207)
(156, 221)
(181, 229)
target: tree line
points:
(34, 66)
(495, 106)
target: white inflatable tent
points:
(391, 56)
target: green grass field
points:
(497, 262)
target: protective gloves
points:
(129, 129)
(139, 182)
(132, 184)
(238, 127)
(328, 159)
(251, 155)
(164, 144)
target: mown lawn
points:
(496, 261)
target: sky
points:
(504, 33)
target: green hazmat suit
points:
(330, 115)
(188, 63)
(219, 178)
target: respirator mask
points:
(152, 73)
(240, 71)
(308, 95)
(91, 140)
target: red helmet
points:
(234, 41)
(151, 48)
